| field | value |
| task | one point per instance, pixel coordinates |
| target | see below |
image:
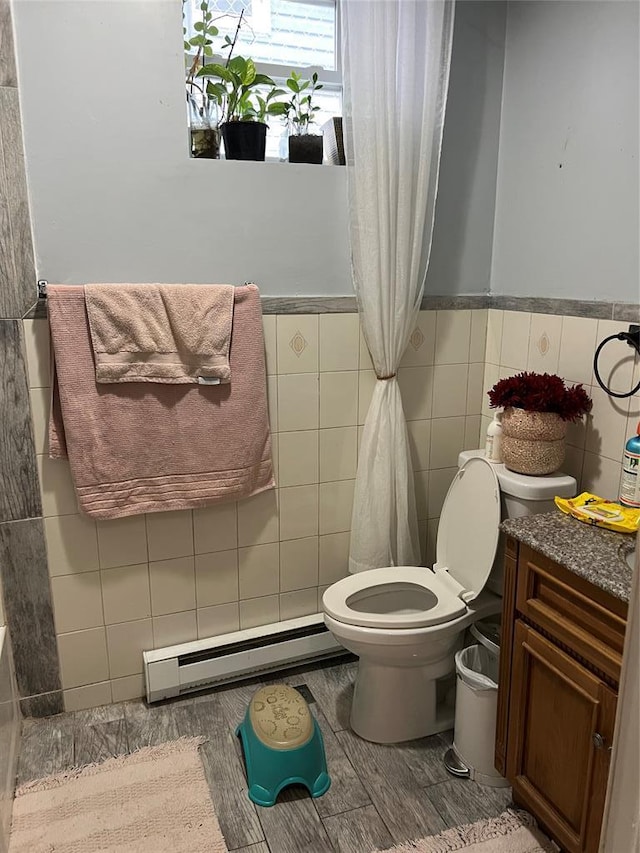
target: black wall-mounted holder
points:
(632, 337)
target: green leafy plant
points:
(200, 103)
(238, 90)
(300, 111)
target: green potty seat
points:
(282, 745)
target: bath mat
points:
(153, 801)
(511, 832)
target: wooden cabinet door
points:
(561, 720)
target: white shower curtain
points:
(396, 57)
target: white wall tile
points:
(494, 336)
(572, 465)
(334, 557)
(364, 360)
(173, 586)
(259, 570)
(270, 345)
(447, 440)
(56, 487)
(129, 687)
(40, 418)
(89, 696)
(577, 348)
(366, 384)
(174, 628)
(72, 544)
(259, 611)
(122, 542)
(272, 403)
(432, 541)
(300, 602)
(298, 402)
(125, 644)
(607, 425)
(439, 482)
(544, 343)
(298, 512)
(616, 360)
(339, 342)
(453, 334)
(215, 528)
(170, 534)
(422, 341)
(416, 388)
(515, 339)
(336, 506)
(297, 343)
(125, 593)
(258, 519)
(77, 601)
(475, 382)
(491, 376)
(419, 442)
(83, 657)
(298, 458)
(338, 399)
(217, 578)
(601, 476)
(449, 390)
(220, 619)
(473, 435)
(299, 563)
(421, 491)
(36, 339)
(338, 453)
(478, 342)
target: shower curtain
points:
(396, 58)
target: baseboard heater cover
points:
(187, 667)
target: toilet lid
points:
(469, 526)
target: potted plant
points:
(304, 147)
(537, 408)
(244, 102)
(202, 106)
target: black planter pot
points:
(244, 140)
(306, 148)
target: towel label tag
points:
(208, 380)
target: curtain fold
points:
(396, 57)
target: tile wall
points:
(122, 586)
(517, 340)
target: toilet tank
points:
(521, 494)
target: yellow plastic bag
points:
(594, 510)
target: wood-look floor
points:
(379, 796)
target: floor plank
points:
(150, 725)
(261, 847)
(99, 742)
(424, 758)
(46, 747)
(461, 801)
(358, 831)
(103, 714)
(346, 791)
(404, 807)
(293, 824)
(332, 688)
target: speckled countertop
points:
(594, 554)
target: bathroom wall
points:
(24, 579)
(553, 343)
(115, 196)
(567, 201)
(123, 586)
(10, 723)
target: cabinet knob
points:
(597, 740)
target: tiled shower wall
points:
(550, 343)
(122, 586)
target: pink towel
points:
(135, 447)
(168, 333)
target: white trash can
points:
(474, 736)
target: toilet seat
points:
(413, 597)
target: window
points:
(281, 36)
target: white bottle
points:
(493, 446)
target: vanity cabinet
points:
(560, 661)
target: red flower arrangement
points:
(541, 392)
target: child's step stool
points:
(282, 745)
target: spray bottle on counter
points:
(493, 446)
(630, 483)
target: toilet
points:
(406, 623)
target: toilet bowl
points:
(406, 623)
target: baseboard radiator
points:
(188, 667)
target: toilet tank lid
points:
(525, 486)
